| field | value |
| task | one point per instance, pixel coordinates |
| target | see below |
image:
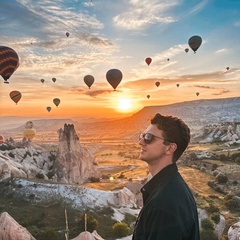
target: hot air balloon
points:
(48, 109)
(168, 59)
(15, 96)
(195, 42)
(186, 50)
(67, 34)
(197, 93)
(227, 68)
(114, 77)
(56, 101)
(9, 62)
(54, 80)
(177, 84)
(29, 124)
(89, 80)
(157, 84)
(1, 138)
(42, 80)
(148, 96)
(148, 60)
(29, 133)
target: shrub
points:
(94, 179)
(120, 229)
(215, 187)
(121, 175)
(106, 176)
(237, 160)
(221, 178)
(231, 204)
(50, 175)
(212, 209)
(222, 157)
(215, 217)
(11, 155)
(92, 223)
(214, 167)
(193, 156)
(207, 234)
(207, 224)
(39, 176)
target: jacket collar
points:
(158, 181)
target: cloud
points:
(237, 24)
(50, 18)
(96, 93)
(208, 87)
(221, 51)
(198, 7)
(223, 91)
(142, 13)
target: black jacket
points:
(169, 210)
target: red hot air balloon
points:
(114, 77)
(1, 139)
(157, 84)
(194, 43)
(148, 60)
(15, 96)
(89, 80)
(9, 62)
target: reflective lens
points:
(148, 137)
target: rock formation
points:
(234, 232)
(73, 164)
(88, 236)
(11, 230)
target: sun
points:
(124, 104)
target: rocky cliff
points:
(74, 164)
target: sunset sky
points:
(118, 34)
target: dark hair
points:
(174, 131)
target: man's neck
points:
(157, 167)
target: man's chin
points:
(142, 158)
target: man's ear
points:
(171, 148)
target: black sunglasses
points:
(148, 137)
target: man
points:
(169, 210)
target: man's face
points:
(153, 148)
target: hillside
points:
(196, 114)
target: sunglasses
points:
(148, 137)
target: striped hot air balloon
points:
(9, 62)
(15, 96)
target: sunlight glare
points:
(124, 104)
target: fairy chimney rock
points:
(11, 230)
(74, 164)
